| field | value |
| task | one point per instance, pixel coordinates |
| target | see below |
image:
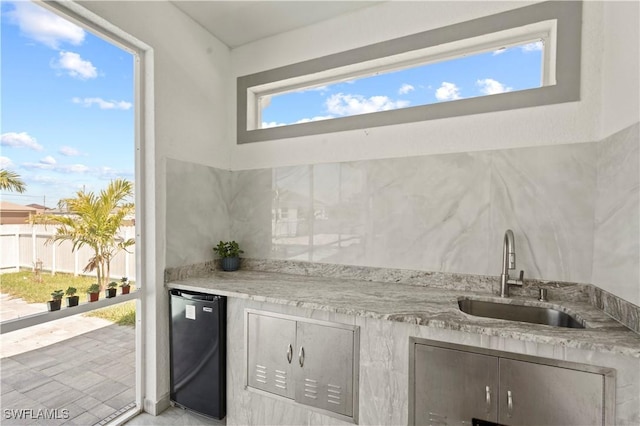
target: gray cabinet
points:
(536, 394)
(311, 362)
(269, 365)
(453, 387)
(453, 384)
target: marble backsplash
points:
(573, 210)
(616, 246)
(445, 213)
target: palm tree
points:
(10, 181)
(94, 221)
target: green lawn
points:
(25, 286)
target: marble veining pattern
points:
(546, 196)
(432, 307)
(444, 213)
(617, 215)
(195, 222)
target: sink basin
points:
(531, 314)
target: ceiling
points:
(240, 22)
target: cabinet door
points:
(271, 342)
(535, 394)
(452, 387)
(324, 376)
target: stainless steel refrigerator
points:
(198, 352)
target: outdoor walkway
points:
(81, 366)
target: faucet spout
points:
(508, 252)
(508, 262)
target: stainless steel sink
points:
(531, 314)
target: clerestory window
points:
(520, 58)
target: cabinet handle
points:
(289, 353)
(487, 390)
(509, 403)
(301, 356)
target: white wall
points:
(189, 122)
(547, 125)
(620, 66)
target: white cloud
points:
(62, 168)
(6, 163)
(39, 166)
(49, 160)
(76, 168)
(68, 151)
(447, 92)
(75, 66)
(108, 173)
(532, 47)
(489, 86)
(406, 88)
(102, 104)
(20, 140)
(346, 105)
(499, 51)
(43, 26)
(47, 179)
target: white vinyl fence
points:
(25, 246)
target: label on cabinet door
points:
(190, 312)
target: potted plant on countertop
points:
(72, 299)
(112, 289)
(125, 285)
(56, 300)
(230, 252)
(94, 292)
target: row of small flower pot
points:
(93, 294)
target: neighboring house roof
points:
(13, 207)
(15, 214)
(39, 206)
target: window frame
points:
(564, 57)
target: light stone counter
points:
(421, 305)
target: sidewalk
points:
(81, 366)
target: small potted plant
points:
(94, 292)
(56, 300)
(230, 252)
(125, 285)
(111, 290)
(72, 299)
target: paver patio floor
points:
(86, 378)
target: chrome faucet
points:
(508, 262)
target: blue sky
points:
(67, 118)
(493, 72)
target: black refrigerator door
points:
(198, 352)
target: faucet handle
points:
(519, 281)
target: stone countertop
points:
(425, 306)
